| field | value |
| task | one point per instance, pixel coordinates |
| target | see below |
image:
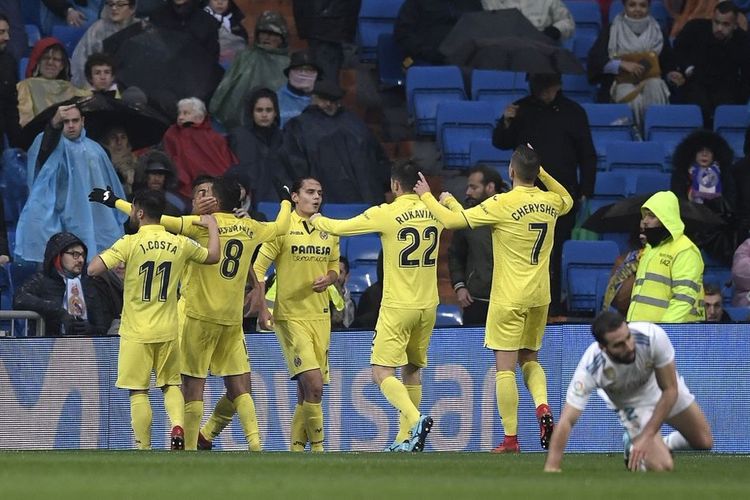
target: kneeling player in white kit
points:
(632, 366)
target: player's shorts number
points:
(541, 228)
(412, 236)
(230, 263)
(162, 271)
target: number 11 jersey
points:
(523, 229)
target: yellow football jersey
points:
(523, 227)
(154, 262)
(216, 293)
(410, 236)
(301, 256)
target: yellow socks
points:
(507, 401)
(397, 394)
(415, 395)
(313, 415)
(193, 415)
(536, 382)
(140, 419)
(219, 419)
(174, 403)
(298, 434)
(246, 412)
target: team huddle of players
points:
(210, 257)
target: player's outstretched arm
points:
(448, 218)
(96, 267)
(361, 224)
(552, 185)
(214, 252)
(560, 437)
(283, 218)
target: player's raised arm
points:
(107, 197)
(214, 252)
(363, 223)
(560, 437)
(555, 187)
(446, 216)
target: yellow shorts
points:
(305, 345)
(220, 348)
(514, 328)
(402, 336)
(136, 360)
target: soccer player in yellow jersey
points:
(410, 236)
(148, 336)
(523, 222)
(212, 335)
(307, 263)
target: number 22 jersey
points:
(410, 235)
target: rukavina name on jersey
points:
(417, 213)
(158, 245)
(534, 208)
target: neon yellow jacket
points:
(669, 281)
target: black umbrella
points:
(144, 126)
(168, 65)
(518, 54)
(625, 215)
(505, 40)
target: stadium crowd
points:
(189, 108)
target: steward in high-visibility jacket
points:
(669, 281)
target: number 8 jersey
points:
(410, 236)
(216, 293)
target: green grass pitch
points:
(432, 476)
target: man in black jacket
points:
(470, 255)
(713, 56)
(8, 94)
(187, 16)
(335, 146)
(558, 129)
(62, 293)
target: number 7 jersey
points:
(410, 235)
(523, 229)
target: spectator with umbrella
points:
(551, 17)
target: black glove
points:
(552, 32)
(74, 325)
(103, 196)
(282, 190)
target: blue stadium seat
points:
(578, 88)
(670, 123)
(731, 122)
(608, 123)
(586, 267)
(30, 10)
(582, 44)
(483, 152)
(376, 17)
(651, 182)
(362, 250)
(491, 85)
(390, 56)
(33, 34)
(461, 122)
(426, 87)
(22, 65)
(587, 15)
(637, 157)
(608, 188)
(738, 313)
(657, 10)
(449, 315)
(69, 36)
